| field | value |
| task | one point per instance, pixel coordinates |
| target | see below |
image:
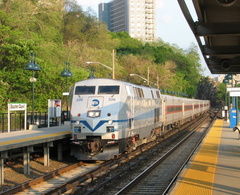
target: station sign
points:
(234, 91)
(234, 94)
(17, 106)
(54, 110)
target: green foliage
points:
(207, 90)
(179, 70)
(56, 35)
(127, 44)
(222, 94)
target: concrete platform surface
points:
(215, 167)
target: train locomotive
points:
(109, 117)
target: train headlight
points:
(110, 129)
(110, 122)
(94, 113)
(77, 129)
(77, 122)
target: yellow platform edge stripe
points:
(198, 178)
(33, 138)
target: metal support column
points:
(4, 155)
(1, 171)
(60, 154)
(46, 156)
(47, 153)
(26, 159)
(26, 162)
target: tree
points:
(27, 27)
(58, 35)
(207, 90)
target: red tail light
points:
(113, 136)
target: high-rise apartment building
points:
(136, 17)
(104, 11)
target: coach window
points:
(113, 89)
(84, 90)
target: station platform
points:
(26, 140)
(18, 139)
(215, 167)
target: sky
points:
(171, 24)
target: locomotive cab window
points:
(84, 90)
(113, 89)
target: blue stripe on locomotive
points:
(100, 123)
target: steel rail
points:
(136, 180)
(189, 157)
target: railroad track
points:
(82, 179)
(159, 176)
(156, 174)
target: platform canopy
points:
(217, 32)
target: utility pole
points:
(113, 64)
(148, 76)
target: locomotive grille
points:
(93, 138)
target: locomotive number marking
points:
(79, 100)
(112, 99)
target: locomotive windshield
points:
(113, 89)
(84, 90)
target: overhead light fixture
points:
(226, 3)
(225, 65)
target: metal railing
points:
(17, 120)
